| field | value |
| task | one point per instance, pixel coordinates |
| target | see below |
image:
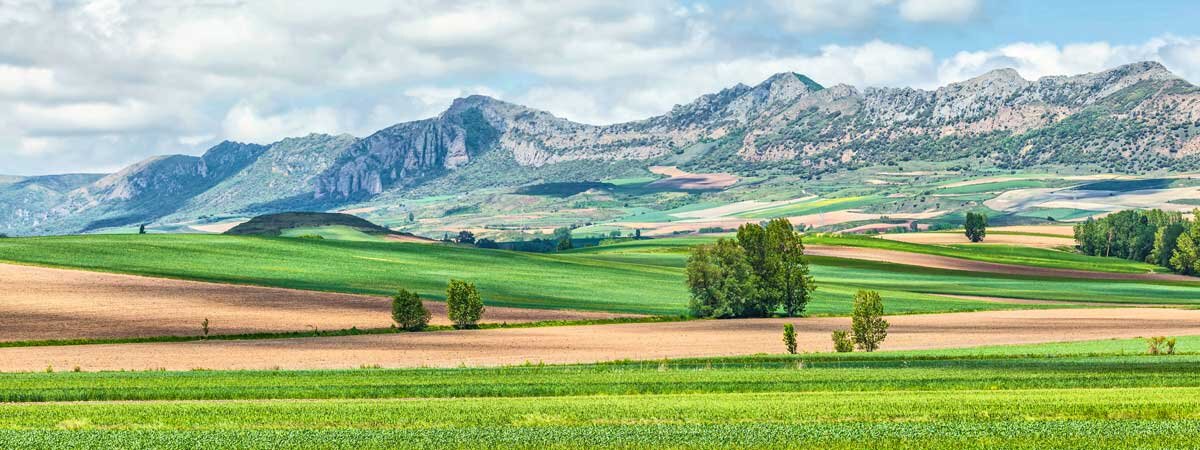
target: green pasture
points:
(635, 277)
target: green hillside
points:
(638, 277)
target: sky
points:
(92, 86)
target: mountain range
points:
(1132, 119)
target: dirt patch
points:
(992, 239)
(41, 303)
(1057, 230)
(363, 210)
(586, 344)
(944, 262)
(679, 179)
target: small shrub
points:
(463, 304)
(310, 236)
(1154, 345)
(408, 312)
(842, 342)
(1160, 345)
(204, 328)
(789, 338)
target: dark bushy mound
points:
(274, 224)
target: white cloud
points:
(72, 118)
(244, 122)
(26, 81)
(1034, 60)
(948, 11)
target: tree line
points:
(1164, 238)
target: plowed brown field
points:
(584, 344)
(41, 303)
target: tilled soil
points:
(42, 303)
(585, 344)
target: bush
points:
(842, 342)
(463, 304)
(867, 323)
(204, 327)
(1154, 345)
(408, 312)
(1160, 345)
(789, 337)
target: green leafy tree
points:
(867, 324)
(465, 237)
(789, 337)
(976, 226)
(486, 243)
(564, 243)
(791, 283)
(764, 269)
(411, 218)
(1165, 241)
(463, 304)
(1186, 256)
(409, 312)
(719, 279)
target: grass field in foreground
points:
(638, 277)
(1018, 396)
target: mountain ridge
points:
(1135, 117)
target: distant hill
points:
(1134, 118)
(276, 224)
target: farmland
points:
(1085, 394)
(990, 345)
